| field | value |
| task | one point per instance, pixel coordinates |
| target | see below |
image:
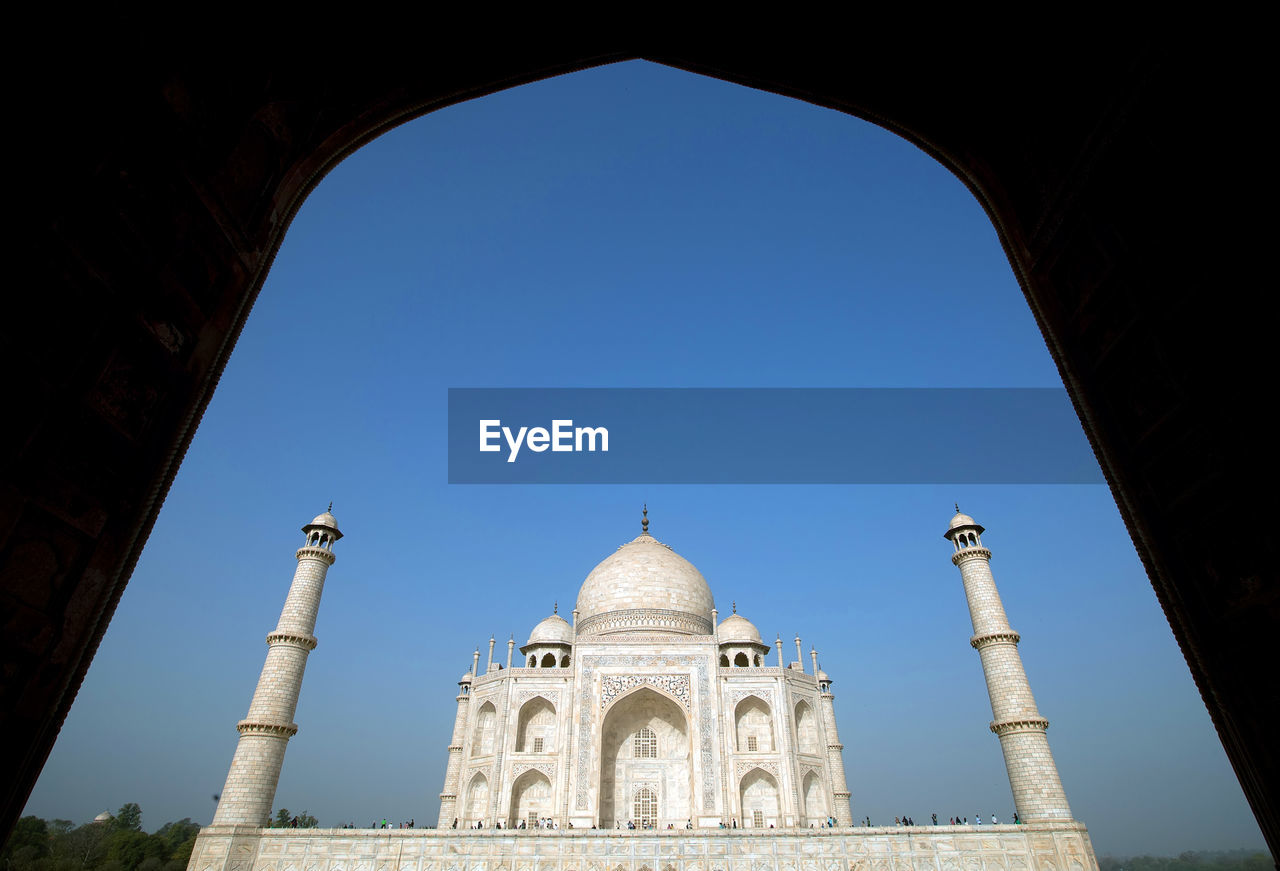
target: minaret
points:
(452, 773)
(1037, 790)
(265, 732)
(835, 753)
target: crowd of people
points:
(549, 824)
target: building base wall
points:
(1048, 846)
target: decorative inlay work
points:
(590, 664)
(978, 642)
(1031, 724)
(633, 637)
(741, 768)
(736, 697)
(552, 696)
(547, 768)
(614, 685)
(645, 618)
(248, 727)
(806, 770)
(968, 552)
(306, 642)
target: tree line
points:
(116, 844)
(1228, 860)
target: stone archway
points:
(1091, 247)
(815, 798)
(645, 745)
(753, 722)
(536, 727)
(530, 799)
(806, 729)
(477, 803)
(759, 798)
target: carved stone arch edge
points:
(737, 697)
(741, 769)
(616, 687)
(551, 696)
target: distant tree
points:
(81, 848)
(176, 834)
(130, 848)
(27, 844)
(129, 818)
(283, 817)
(306, 821)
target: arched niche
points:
(536, 727)
(530, 799)
(663, 763)
(806, 729)
(753, 725)
(759, 795)
(482, 737)
(815, 798)
(477, 803)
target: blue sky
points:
(628, 226)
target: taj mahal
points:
(643, 732)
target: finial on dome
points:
(555, 608)
(330, 505)
(735, 607)
(644, 520)
(957, 508)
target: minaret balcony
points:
(312, 552)
(968, 552)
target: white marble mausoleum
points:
(645, 734)
(646, 709)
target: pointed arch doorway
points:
(646, 763)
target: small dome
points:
(104, 817)
(644, 586)
(325, 519)
(553, 630)
(822, 675)
(466, 678)
(738, 628)
(961, 521)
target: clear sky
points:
(628, 226)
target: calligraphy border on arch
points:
(614, 685)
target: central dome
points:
(645, 586)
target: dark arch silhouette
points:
(160, 200)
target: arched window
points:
(741, 660)
(645, 744)
(549, 661)
(645, 808)
(564, 661)
(533, 661)
(724, 660)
